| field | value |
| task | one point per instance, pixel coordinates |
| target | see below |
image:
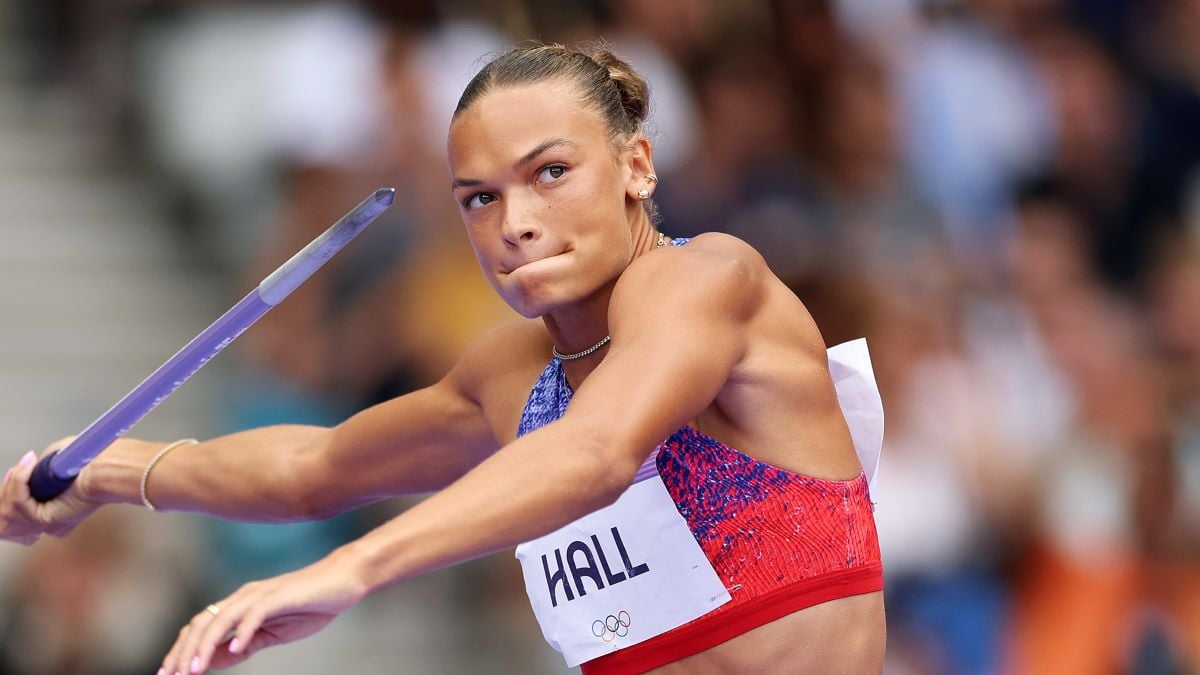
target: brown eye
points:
(478, 199)
(551, 173)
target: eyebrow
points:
(549, 144)
(544, 146)
(464, 182)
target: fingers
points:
(171, 659)
(223, 658)
(244, 637)
(18, 519)
(18, 489)
(182, 657)
(208, 631)
(21, 473)
(61, 530)
(261, 614)
(7, 514)
(12, 477)
(203, 640)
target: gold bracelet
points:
(161, 453)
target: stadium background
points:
(1002, 195)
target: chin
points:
(533, 295)
(532, 307)
(537, 301)
(527, 310)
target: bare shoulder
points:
(719, 243)
(713, 269)
(511, 349)
(498, 370)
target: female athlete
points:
(647, 338)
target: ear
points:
(639, 163)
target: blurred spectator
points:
(947, 602)
(1175, 300)
(1105, 495)
(745, 178)
(870, 215)
(976, 118)
(1002, 195)
(1097, 158)
(64, 617)
(229, 91)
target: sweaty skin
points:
(702, 334)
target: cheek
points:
(591, 209)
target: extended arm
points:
(672, 353)
(415, 443)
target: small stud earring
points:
(643, 194)
(652, 178)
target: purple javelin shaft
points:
(158, 386)
(62, 467)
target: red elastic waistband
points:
(726, 623)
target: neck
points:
(581, 324)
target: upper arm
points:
(421, 441)
(678, 322)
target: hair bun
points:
(606, 83)
(635, 93)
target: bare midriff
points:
(846, 635)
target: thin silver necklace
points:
(580, 355)
(662, 238)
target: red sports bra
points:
(779, 541)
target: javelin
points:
(58, 470)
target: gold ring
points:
(213, 609)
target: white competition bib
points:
(618, 576)
(633, 570)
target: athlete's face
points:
(547, 201)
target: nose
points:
(520, 227)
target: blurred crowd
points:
(1003, 196)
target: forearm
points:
(534, 486)
(415, 443)
(257, 475)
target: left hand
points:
(263, 614)
(23, 520)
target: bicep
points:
(425, 440)
(419, 442)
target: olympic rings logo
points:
(612, 626)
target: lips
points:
(509, 269)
